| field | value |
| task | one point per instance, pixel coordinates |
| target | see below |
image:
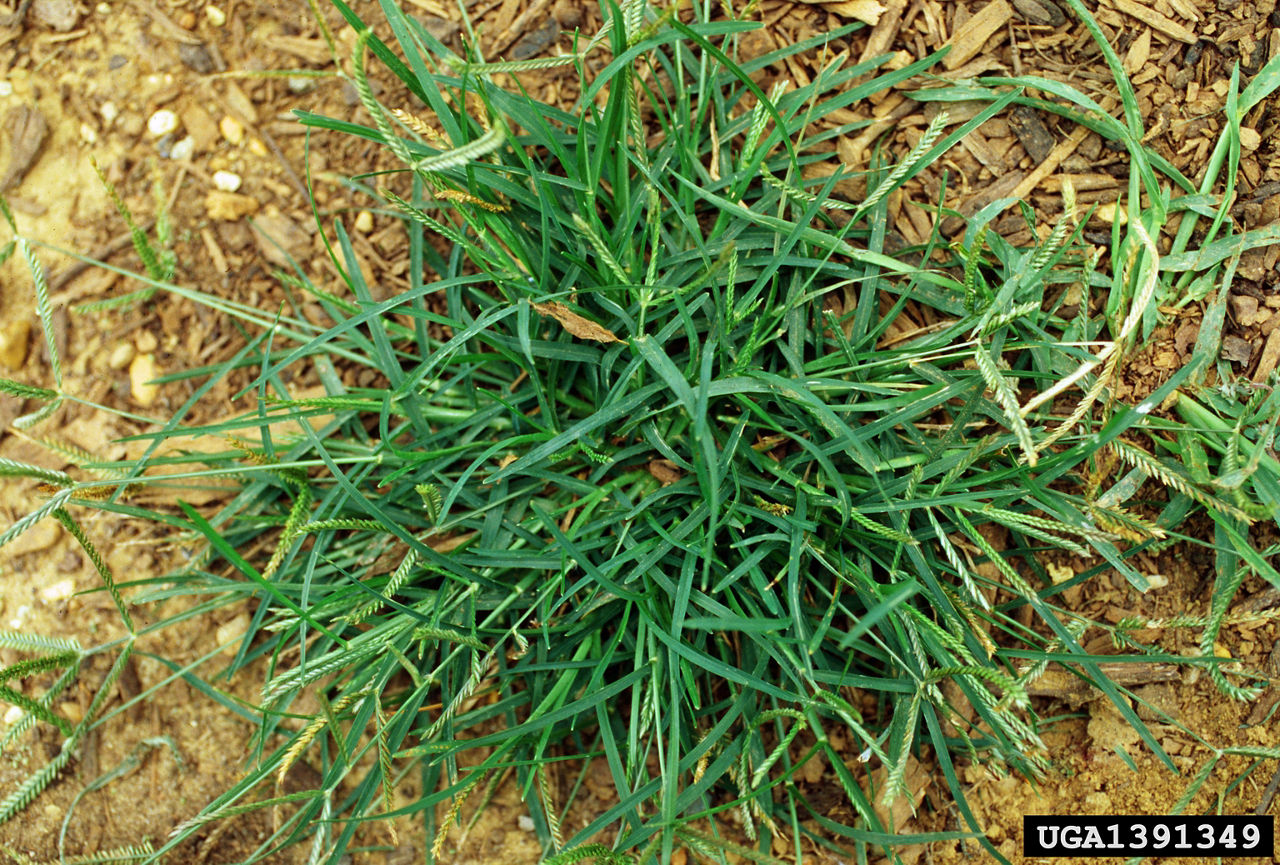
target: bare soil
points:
(95, 78)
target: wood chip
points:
(1270, 355)
(1236, 349)
(885, 30)
(27, 130)
(1031, 131)
(311, 50)
(1040, 12)
(1054, 159)
(1155, 20)
(866, 11)
(1138, 54)
(969, 38)
(1057, 682)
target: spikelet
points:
(1176, 479)
(298, 745)
(1008, 401)
(53, 478)
(455, 808)
(778, 510)
(931, 134)
(1129, 526)
(253, 456)
(102, 492)
(34, 785)
(500, 66)
(882, 530)
(468, 198)
(602, 252)
(384, 764)
(26, 391)
(549, 808)
(416, 124)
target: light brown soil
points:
(140, 58)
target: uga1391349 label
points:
(1228, 836)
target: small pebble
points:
(132, 124)
(229, 632)
(145, 341)
(229, 206)
(115, 61)
(257, 148)
(196, 57)
(141, 371)
(299, 84)
(525, 822)
(13, 716)
(87, 133)
(227, 181)
(59, 591)
(60, 15)
(231, 129)
(184, 149)
(13, 343)
(20, 618)
(72, 712)
(215, 15)
(364, 222)
(201, 126)
(162, 122)
(103, 8)
(109, 112)
(187, 21)
(6, 89)
(121, 355)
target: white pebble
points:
(6, 89)
(13, 716)
(299, 84)
(87, 133)
(59, 591)
(227, 181)
(109, 112)
(184, 149)
(20, 618)
(162, 122)
(525, 822)
(215, 15)
(103, 8)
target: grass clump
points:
(663, 466)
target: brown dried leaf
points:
(582, 328)
(665, 471)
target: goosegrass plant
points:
(668, 464)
